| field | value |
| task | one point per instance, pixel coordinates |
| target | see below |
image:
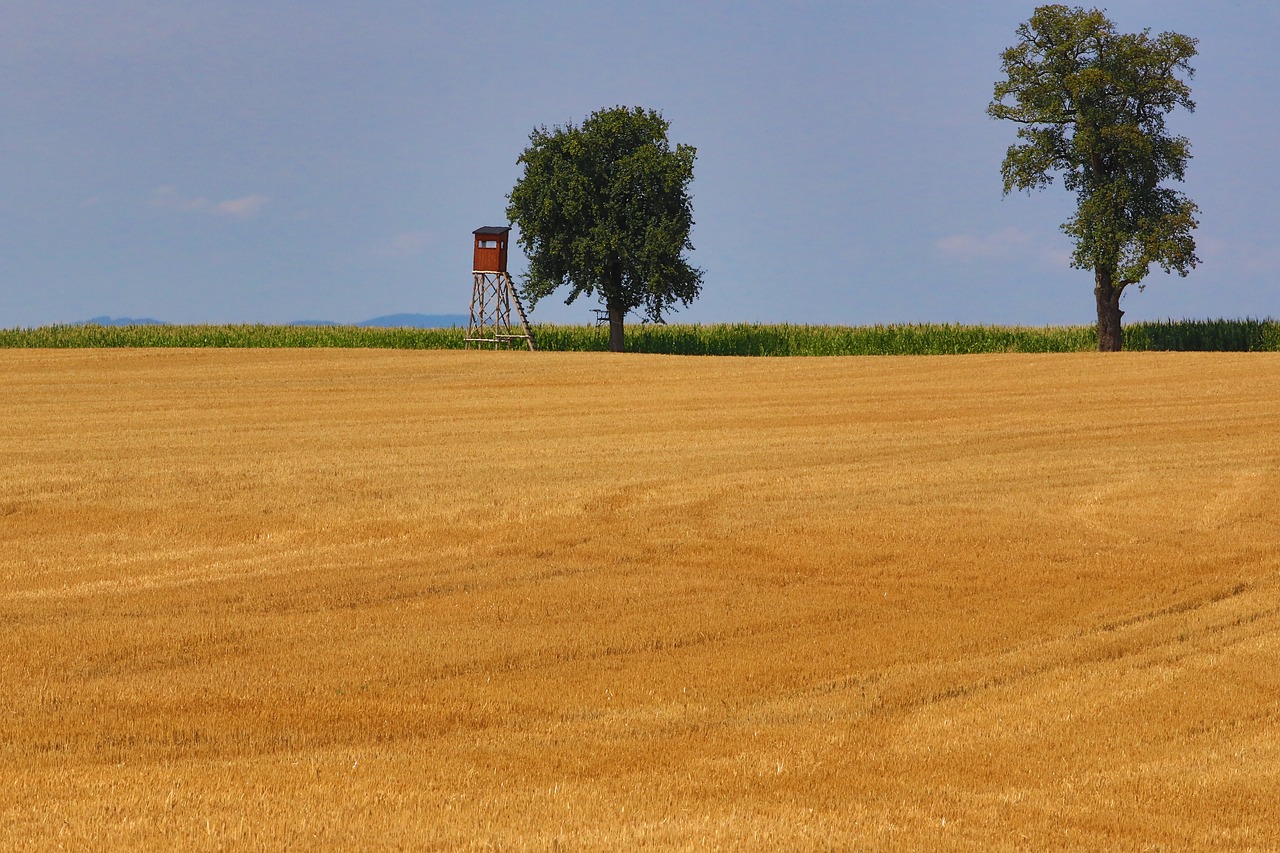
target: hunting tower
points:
(492, 293)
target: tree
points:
(1092, 104)
(605, 208)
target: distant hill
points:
(120, 321)
(415, 321)
(419, 321)
(393, 321)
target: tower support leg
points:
(489, 322)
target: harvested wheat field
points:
(358, 600)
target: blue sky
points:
(277, 160)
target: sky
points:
(269, 161)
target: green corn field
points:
(742, 339)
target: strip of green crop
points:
(231, 336)
(740, 339)
(1248, 335)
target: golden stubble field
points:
(325, 600)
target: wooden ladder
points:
(524, 320)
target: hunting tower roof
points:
(492, 229)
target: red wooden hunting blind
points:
(491, 249)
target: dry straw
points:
(358, 599)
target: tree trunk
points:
(616, 316)
(1110, 335)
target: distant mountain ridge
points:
(120, 321)
(419, 321)
(415, 321)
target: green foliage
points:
(1248, 335)
(802, 340)
(1091, 103)
(605, 208)
(233, 336)
(732, 339)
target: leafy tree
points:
(1092, 104)
(605, 208)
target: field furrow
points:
(374, 599)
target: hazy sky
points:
(276, 160)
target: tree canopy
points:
(1092, 104)
(605, 208)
